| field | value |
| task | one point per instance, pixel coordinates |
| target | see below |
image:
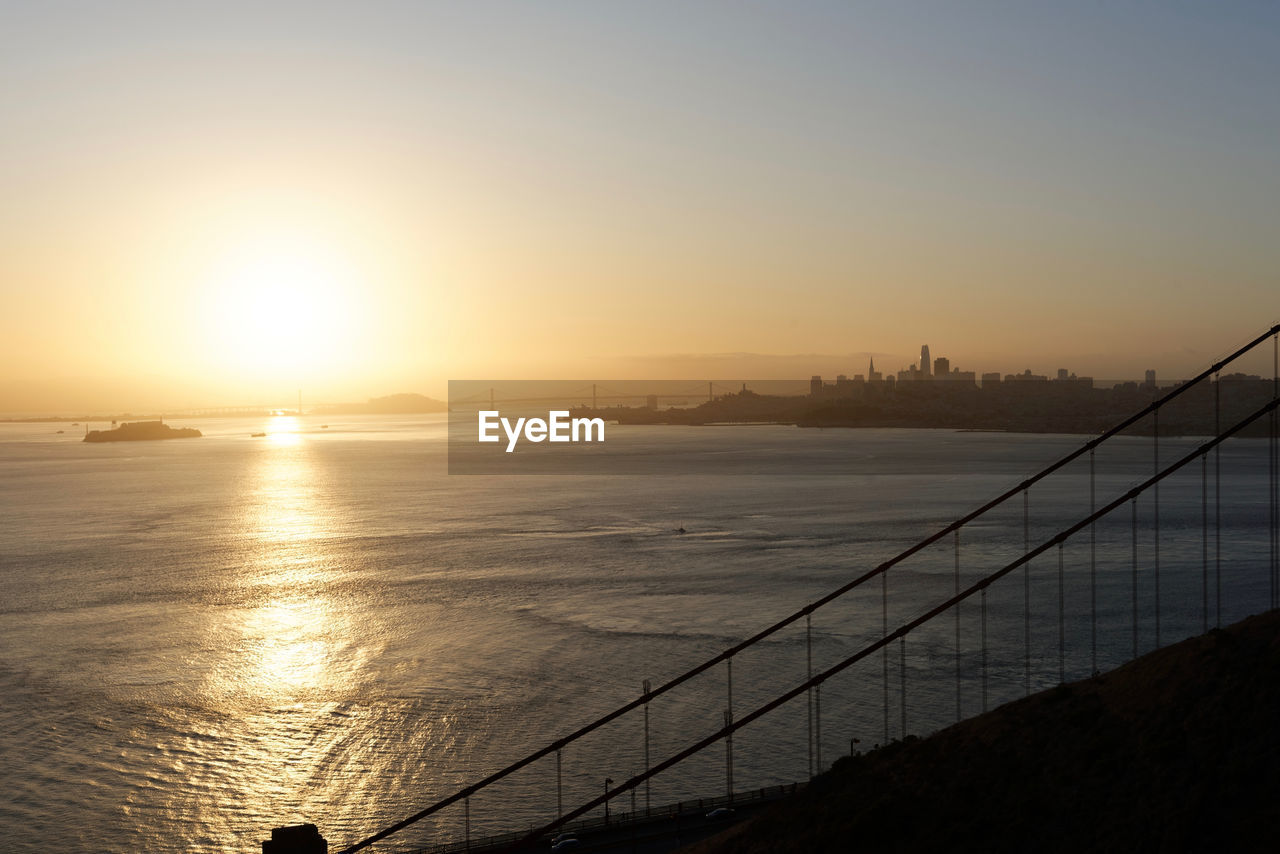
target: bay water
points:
(203, 639)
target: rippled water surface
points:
(203, 639)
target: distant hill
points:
(1177, 751)
(392, 404)
(398, 404)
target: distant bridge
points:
(230, 411)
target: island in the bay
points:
(140, 431)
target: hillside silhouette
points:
(1030, 407)
(1176, 751)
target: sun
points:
(285, 308)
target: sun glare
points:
(285, 308)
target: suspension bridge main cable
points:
(901, 632)
(808, 609)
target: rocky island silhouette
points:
(141, 431)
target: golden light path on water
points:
(315, 697)
(288, 647)
(291, 660)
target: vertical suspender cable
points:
(884, 629)
(1155, 515)
(648, 803)
(728, 753)
(957, 592)
(817, 732)
(728, 723)
(1217, 500)
(1134, 592)
(902, 678)
(1204, 542)
(1062, 630)
(808, 647)
(984, 648)
(1275, 475)
(1026, 592)
(728, 662)
(1093, 572)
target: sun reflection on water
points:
(283, 505)
(290, 653)
(286, 644)
(292, 633)
(285, 430)
(289, 646)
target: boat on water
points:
(141, 431)
(256, 435)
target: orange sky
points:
(225, 205)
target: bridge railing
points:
(941, 537)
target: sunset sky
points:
(223, 203)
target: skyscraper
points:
(926, 366)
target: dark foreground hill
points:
(1177, 751)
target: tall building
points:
(873, 376)
(815, 385)
(942, 368)
(925, 363)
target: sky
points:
(224, 203)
